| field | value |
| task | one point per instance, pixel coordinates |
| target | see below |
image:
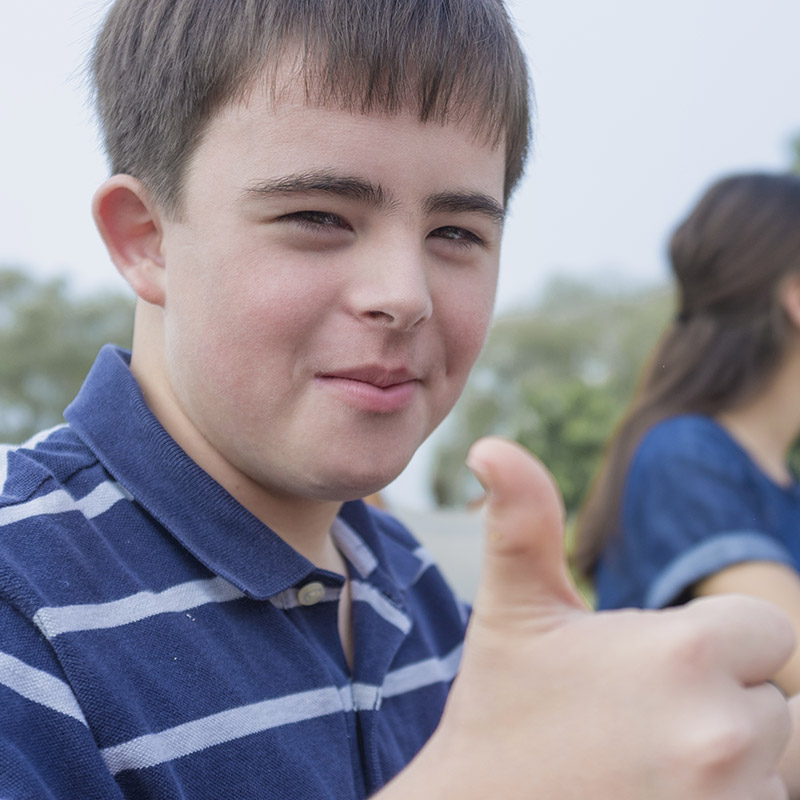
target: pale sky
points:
(640, 105)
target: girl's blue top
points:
(694, 502)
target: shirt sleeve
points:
(690, 509)
(46, 748)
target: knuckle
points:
(689, 649)
(710, 759)
(714, 745)
(725, 744)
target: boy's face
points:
(328, 288)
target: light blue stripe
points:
(365, 697)
(425, 557)
(353, 547)
(97, 502)
(38, 686)
(53, 621)
(227, 726)
(423, 673)
(709, 557)
(426, 560)
(365, 593)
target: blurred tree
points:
(796, 149)
(48, 340)
(555, 378)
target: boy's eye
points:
(460, 236)
(317, 220)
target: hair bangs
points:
(163, 68)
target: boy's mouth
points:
(373, 389)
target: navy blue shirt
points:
(159, 641)
(693, 503)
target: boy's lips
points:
(377, 375)
(374, 389)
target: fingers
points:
(773, 789)
(770, 711)
(752, 638)
(790, 763)
(765, 730)
(525, 571)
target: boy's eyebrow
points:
(353, 188)
(469, 202)
(322, 183)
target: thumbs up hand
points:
(553, 701)
(525, 572)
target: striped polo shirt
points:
(158, 641)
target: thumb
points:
(524, 567)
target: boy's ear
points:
(790, 298)
(130, 224)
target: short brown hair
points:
(162, 68)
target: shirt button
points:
(310, 594)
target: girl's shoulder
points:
(690, 438)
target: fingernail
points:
(478, 469)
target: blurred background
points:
(639, 107)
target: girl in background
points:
(695, 495)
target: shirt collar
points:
(398, 557)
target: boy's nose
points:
(393, 291)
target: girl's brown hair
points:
(728, 336)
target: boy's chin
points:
(364, 485)
(362, 490)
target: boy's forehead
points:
(344, 146)
(290, 84)
(277, 133)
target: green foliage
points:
(794, 458)
(48, 340)
(555, 378)
(570, 423)
(796, 148)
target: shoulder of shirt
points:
(690, 439)
(41, 478)
(41, 464)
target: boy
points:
(308, 199)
